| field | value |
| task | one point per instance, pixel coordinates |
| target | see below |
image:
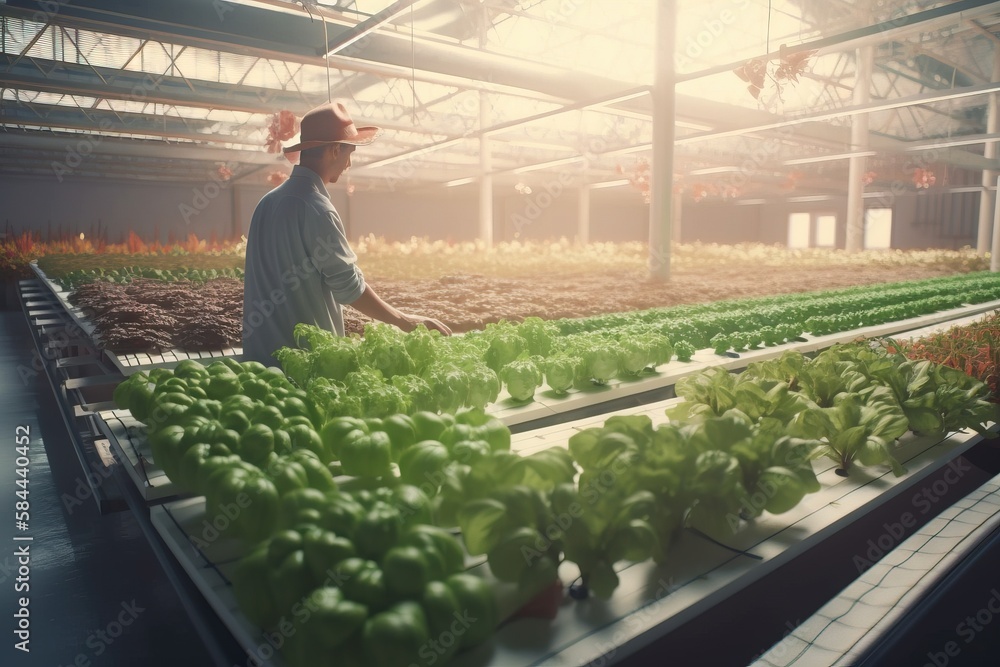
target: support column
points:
(859, 143)
(661, 185)
(485, 156)
(986, 197)
(236, 213)
(485, 174)
(583, 216)
(995, 251)
(677, 202)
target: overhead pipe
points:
(389, 54)
(132, 148)
(341, 41)
(872, 35)
(508, 125)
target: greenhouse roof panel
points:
(548, 68)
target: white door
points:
(878, 228)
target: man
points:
(299, 265)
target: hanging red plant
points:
(699, 191)
(791, 65)
(787, 68)
(792, 180)
(869, 178)
(276, 178)
(730, 191)
(753, 72)
(923, 178)
(638, 177)
(282, 126)
(223, 172)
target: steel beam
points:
(101, 145)
(59, 116)
(348, 37)
(290, 36)
(959, 12)
(73, 79)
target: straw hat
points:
(331, 124)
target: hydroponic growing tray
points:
(127, 435)
(650, 601)
(852, 623)
(127, 438)
(129, 363)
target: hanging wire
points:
(767, 38)
(413, 71)
(326, 58)
(326, 43)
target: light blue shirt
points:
(299, 266)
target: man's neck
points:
(316, 169)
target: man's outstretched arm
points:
(372, 305)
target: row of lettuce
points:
(367, 566)
(387, 371)
(126, 274)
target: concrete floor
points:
(97, 595)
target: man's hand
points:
(410, 322)
(374, 307)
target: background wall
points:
(148, 209)
(920, 220)
(932, 220)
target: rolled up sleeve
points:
(330, 253)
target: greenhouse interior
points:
(631, 333)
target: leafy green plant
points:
(522, 378)
(860, 426)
